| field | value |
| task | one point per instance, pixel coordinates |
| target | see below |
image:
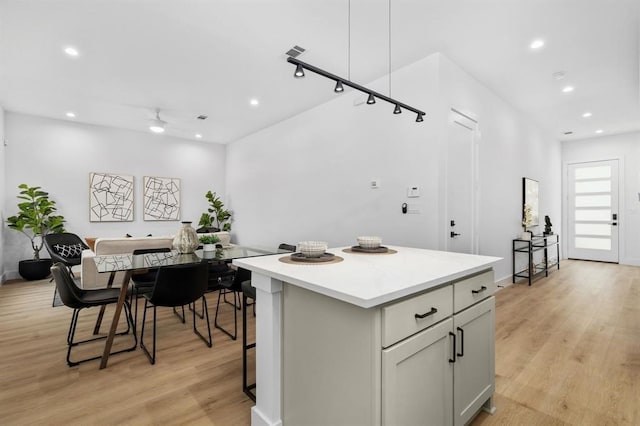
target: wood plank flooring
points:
(567, 352)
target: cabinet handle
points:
(454, 347)
(426, 314)
(483, 288)
(461, 353)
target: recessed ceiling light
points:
(537, 43)
(254, 102)
(568, 89)
(71, 51)
(587, 115)
(198, 136)
(70, 114)
(599, 131)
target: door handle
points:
(614, 224)
(454, 347)
(453, 234)
(461, 353)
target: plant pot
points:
(34, 269)
(209, 247)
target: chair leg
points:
(72, 331)
(152, 358)
(199, 314)
(246, 388)
(182, 318)
(233, 336)
(195, 329)
(236, 303)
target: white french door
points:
(592, 192)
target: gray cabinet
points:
(427, 359)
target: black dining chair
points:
(77, 299)
(142, 282)
(249, 292)
(65, 248)
(176, 285)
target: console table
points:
(543, 243)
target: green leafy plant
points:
(36, 217)
(209, 239)
(216, 216)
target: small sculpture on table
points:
(547, 226)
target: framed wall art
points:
(110, 197)
(161, 198)
(530, 208)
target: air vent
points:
(568, 133)
(295, 51)
(202, 117)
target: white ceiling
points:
(192, 57)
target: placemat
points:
(287, 259)
(389, 251)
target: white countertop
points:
(369, 280)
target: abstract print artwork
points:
(161, 198)
(110, 197)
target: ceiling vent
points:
(202, 117)
(295, 51)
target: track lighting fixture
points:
(339, 88)
(156, 125)
(340, 82)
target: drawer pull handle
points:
(483, 288)
(461, 353)
(431, 312)
(454, 347)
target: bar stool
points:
(248, 292)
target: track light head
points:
(397, 109)
(156, 125)
(299, 71)
(371, 99)
(419, 118)
(339, 87)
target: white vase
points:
(209, 247)
(186, 239)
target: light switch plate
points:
(413, 192)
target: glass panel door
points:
(593, 211)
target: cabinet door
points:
(417, 379)
(474, 369)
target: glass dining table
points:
(130, 263)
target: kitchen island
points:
(376, 339)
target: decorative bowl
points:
(369, 242)
(312, 248)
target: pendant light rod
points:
(356, 86)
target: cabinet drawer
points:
(472, 290)
(402, 319)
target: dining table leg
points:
(96, 329)
(116, 319)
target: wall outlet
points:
(375, 183)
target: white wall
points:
(625, 148)
(59, 155)
(511, 147)
(3, 163)
(308, 177)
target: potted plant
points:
(217, 218)
(209, 242)
(35, 218)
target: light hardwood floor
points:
(567, 352)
